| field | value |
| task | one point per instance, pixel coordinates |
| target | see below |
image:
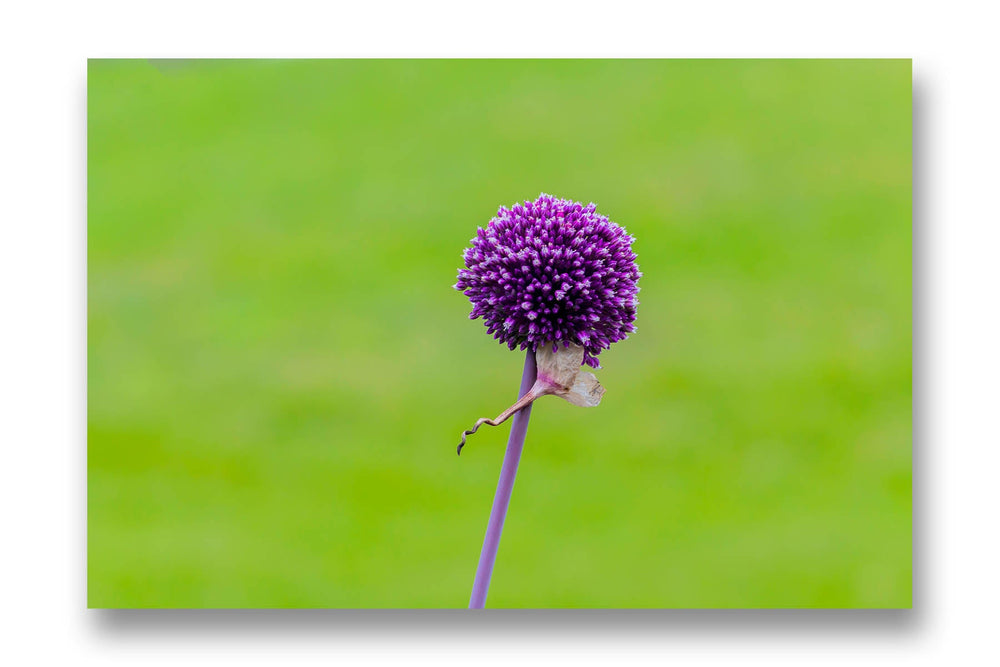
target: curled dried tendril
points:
(559, 374)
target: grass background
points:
(279, 369)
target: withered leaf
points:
(558, 374)
(586, 391)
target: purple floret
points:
(552, 271)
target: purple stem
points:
(518, 429)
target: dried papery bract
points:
(559, 374)
(559, 368)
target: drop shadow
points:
(334, 623)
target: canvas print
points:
(499, 334)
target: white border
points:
(43, 335)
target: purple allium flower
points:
(552, 271)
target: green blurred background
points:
(279, 369)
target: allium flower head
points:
(552, 271)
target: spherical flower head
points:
(552, 271)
